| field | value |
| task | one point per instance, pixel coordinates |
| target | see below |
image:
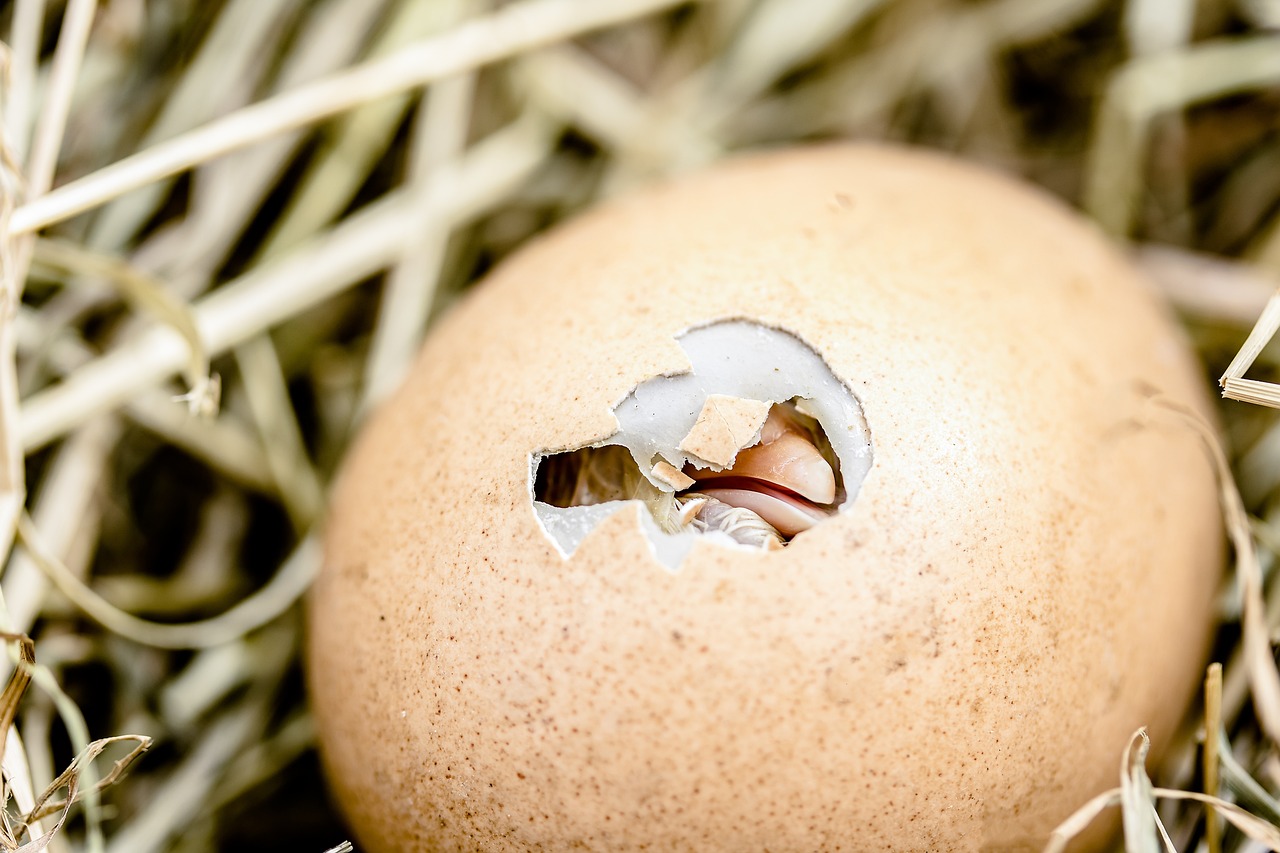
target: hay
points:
(271, 200)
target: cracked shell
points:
(954, 661)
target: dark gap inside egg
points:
(782, 483)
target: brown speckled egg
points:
(826, 500)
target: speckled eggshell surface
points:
(955, 662)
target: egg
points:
(829, 499)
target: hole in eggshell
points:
(781, 480)
(759, 442)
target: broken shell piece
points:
(665, 472)
(740, 524)
(687, 510)
(725, 426)
(786, 457)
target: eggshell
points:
(953, 662)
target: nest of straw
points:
(227, 224)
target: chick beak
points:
(785, 457)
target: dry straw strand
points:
(1263, 676)
(264, 384)
(228, 190)
(1080, 819)
(78, 731)
(183, 796)
(1248, 792)
(1150, 86)
(360, 138)
(63, 505)
(52, 123)
(1252, 826)
(224, 72)
(439, 139)
(1212, 729)
(46, 806)
(516, 28)
(280, 593)
(28, 17)
(363, 244)
(1143, 830)
(1234, 385)
(1137, 803)
(150, 296)
(1207, 287)
(267, 758)
(17, 775)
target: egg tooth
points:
(739, 523)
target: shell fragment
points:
(725, 426)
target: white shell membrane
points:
(736, 358)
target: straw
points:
(518, 27)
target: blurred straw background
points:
(227, 223)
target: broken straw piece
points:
(725, 426)
(665, 472)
